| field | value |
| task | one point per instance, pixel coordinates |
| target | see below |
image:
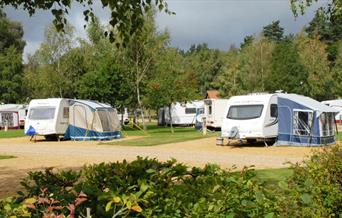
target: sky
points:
(219, 23)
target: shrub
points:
(149, 188)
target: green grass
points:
(339, 136)
(273, 176)
(12, 133)
(2, 157)
(156, 135)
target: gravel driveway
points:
(69, 154)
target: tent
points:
(91, 120)
(303, 121)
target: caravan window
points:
(210, 109)
(302, 122)
(244, 112)
(274, 110)
(42, 113)
(190, 110)
(65, 112)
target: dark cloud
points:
(216, 22)
(223, 22)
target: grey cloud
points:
(221, 23)
(216, 22)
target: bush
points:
(149, 188)
(315, 189)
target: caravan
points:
(214, 112)
(47, 117)
(13, 115)
(286, 119)
(182, 114)
(251, 117)
(72, 119)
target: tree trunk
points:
(170, 114)
(149, 116)
(140, 107)
(122, 116)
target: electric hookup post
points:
(204, 125)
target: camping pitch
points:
(73, 119)
(287, 119)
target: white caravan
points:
(336, 104)
(251, 117)
(214, 112)
(13, 114)
(47, 117)
(182, 113)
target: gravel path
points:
(69, 154)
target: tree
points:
(206, 63)
(256, 61)
(171, 82)
(11, 68)
(45, 65)
(229, 81)
(313, 57)
(288, 73)
(11, 34)
(106, 78)
(248, 40)
(11, 76)
(337, 73)
(127, 17)
(328, 28)
(273, 31)
(140, 55)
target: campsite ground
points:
(68, 154)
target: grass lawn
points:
(273, 176)
(156, 135)
(12, 133)
(2, 157)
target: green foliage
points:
(248, 40)
(149, 188)
(11, 67)
(337, 72)
(11, 34)
(314, 189)
(205, 64)
(313, 57)
(288, 73)
(46, 75)
(273, 31)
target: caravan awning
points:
(309, 103)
